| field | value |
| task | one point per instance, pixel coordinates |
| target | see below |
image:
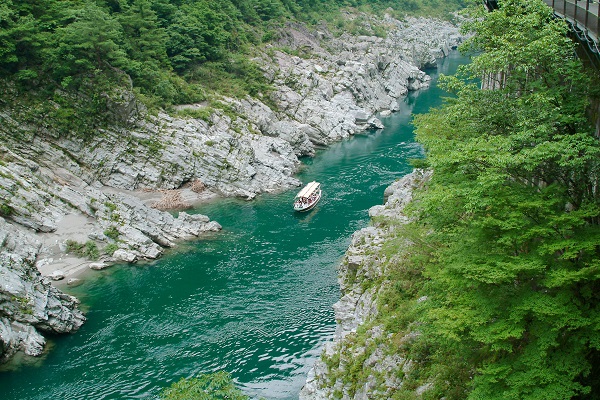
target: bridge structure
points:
(584, 18)
(582, 15)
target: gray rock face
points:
(357, 305)
(336, 89)
(29, 304)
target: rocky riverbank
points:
(29, 303)
(64, 198)
(362, 277)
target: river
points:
(254, 299)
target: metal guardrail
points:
(584, 18)
(491, 4)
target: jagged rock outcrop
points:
(363, 262)
(333, 91)
(38, 198)
(29, 304)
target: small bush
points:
(217, 385)
(203, 113)
(88, 249)
(110, 249)
(112, 233)
(5, 210)
(91, 250)
(111, 206)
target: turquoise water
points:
(254, 299)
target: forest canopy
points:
(166, 49)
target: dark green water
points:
(254, 299)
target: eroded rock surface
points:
(363, 263)
(29, 304)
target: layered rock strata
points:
(364, 262)
(29, 304)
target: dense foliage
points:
(513, 279)
(215, 386)
(172, 50)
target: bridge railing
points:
(583, 15)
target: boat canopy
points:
(309, 189)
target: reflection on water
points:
(254, 299)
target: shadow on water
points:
(306, 217)
(255, 299)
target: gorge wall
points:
(363, 277)
(105, 185)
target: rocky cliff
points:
(361, 342)
(93, 196)
(29, 304)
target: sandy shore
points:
(53, 257)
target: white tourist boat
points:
(308, 197)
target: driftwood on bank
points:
(171, 199)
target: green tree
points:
(515, 212)
(91, 41)
(269, 9)
(146, 45)
(145, 40)
(26, 34)
(7, 42)
(201, 31)
(215, 386)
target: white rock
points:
(74, 281)
(57, 275)
(375, 123)
(32, 342)
(123, 255)
(99, 265)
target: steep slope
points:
(362, 361)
